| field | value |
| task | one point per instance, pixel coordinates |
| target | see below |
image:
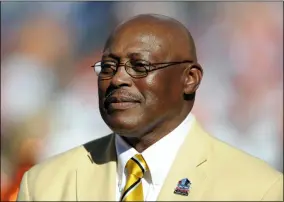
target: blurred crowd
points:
(49, 100)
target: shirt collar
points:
(158, 159)
(124, 152)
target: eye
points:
(107, 67)
(139, 65)
(108, 64)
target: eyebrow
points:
(133, 55)
(116, 57)
(111, 55)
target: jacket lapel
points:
(189, 163)
(96, 174)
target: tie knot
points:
(137, 166)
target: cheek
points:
(157, 91)
(102, 87)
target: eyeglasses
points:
(135, 68)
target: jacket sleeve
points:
(23, 194)
(275, 192)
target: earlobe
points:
(193, 77)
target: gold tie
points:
(133, 190)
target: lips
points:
(120, 102)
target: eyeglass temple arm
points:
(167, 64)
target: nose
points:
(121, 77)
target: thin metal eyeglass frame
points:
(149, 67)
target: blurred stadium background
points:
(49, 91)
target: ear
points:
(193, 76)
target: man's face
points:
(133, 106)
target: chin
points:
(123, 123)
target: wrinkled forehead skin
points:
(158, 38)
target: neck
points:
(157, 132)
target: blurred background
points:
(49, 100)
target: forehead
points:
(141, 43)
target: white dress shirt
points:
(159, 158)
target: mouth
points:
(122, 105)
(113, 103)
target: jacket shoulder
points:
(240, 160)
(70, 159)
(57, 175)
(241, 171)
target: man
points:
(147, 80)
